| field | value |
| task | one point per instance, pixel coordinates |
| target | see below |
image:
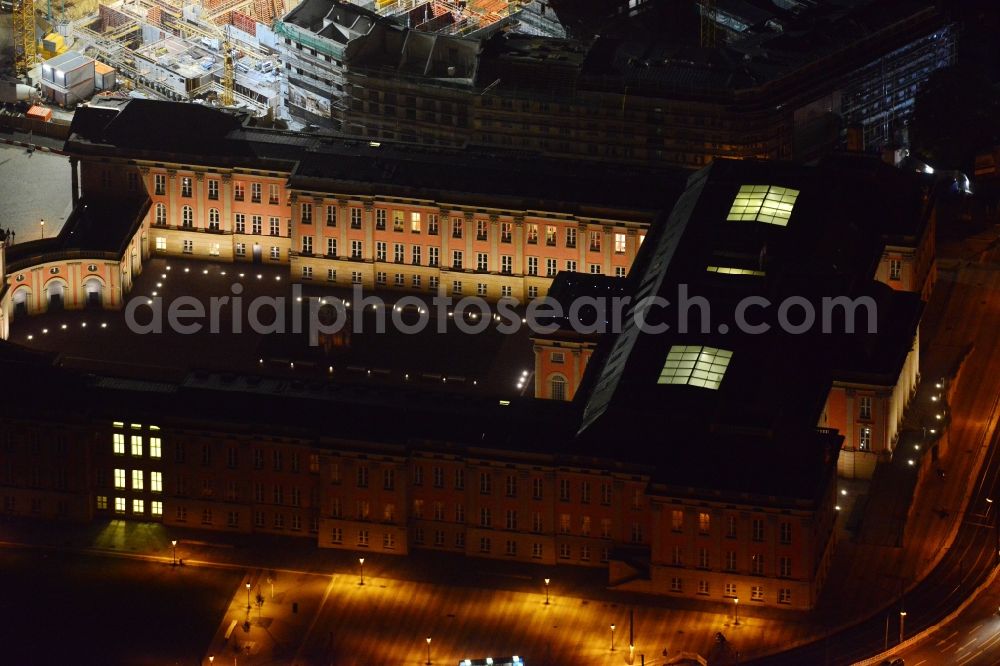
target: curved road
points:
(973, 313)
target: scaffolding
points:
(115, 36)
(466, 17)
(25, 46)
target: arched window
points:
(557, 387)
(187, 215)
(161, 214)
(213, 218)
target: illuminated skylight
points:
(763, 203)
(695, 365)
(729, 270)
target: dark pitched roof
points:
(96, 226)
(204, 135)
(756, 429)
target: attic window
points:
(695, 365)
(763, 203)
(729, 270)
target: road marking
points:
(949, 646)
(991, 641)
(976, 628)
(968, 644)
(922, 661)
(947, 638)
(969, 657)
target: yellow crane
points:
(25, 46)
(228, 71)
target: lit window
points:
(138, 506)
(763, 203)
(102, 502)
(154, 447)
(865, 439)
(119, 478)
(729, 270)
(704, 523)
(137, 445)
(557, 388)
(156, 508)
(156, 482)
(696, 366)
(119, 444)
(137, 479)
(119, 505)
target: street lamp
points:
(248, 596)
(428, 649)
(41, 223)
(361, 561)
(546, 591)
(736, 610)
(902, 623)
(612, 636)
(173, 560)
(211, 659)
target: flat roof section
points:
(34, 186)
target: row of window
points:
(214, 224)
(399, 225)
(729, 590)
(363, 540)
(138, 480)
(138, 506)
(136, 445)
(239, 189)
(510, 487)
(704, 524)
(756, 567)
(278, 519)
(277, 458)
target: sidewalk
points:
(405, 599)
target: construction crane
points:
(228, 71)
(211, 31)
(708, 27)
(25, 46)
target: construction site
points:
(213, 52)
(219, 52)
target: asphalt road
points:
(973, 315)
(971, 639)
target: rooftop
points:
(95, 226)
(762, 230)
(203, 135)
(68, 61)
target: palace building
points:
(210, 185)
(698, 465)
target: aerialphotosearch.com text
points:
(412, 314)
